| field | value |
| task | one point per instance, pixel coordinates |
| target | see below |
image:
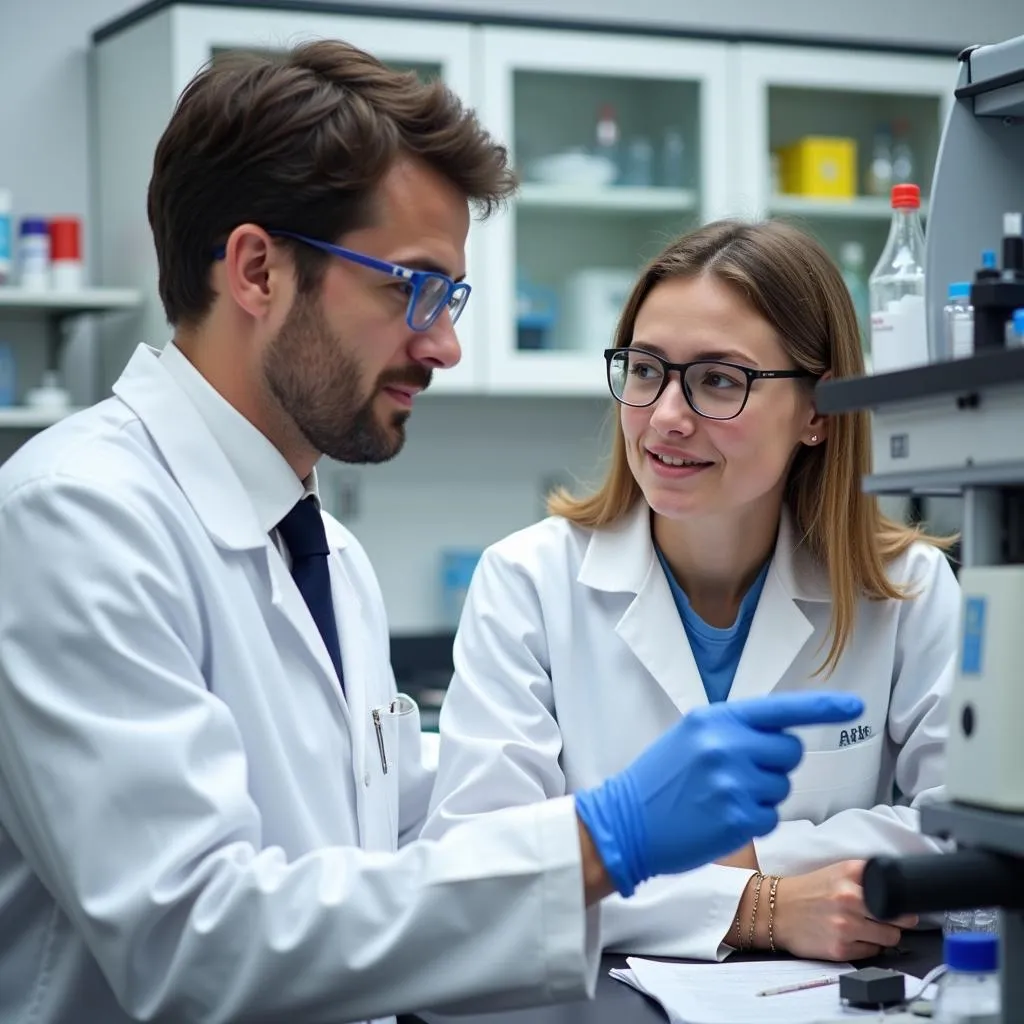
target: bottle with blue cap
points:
(969, 990)
(1017, 336)
(957, 341)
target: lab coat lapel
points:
(357, 660)
(215, 493)
(622, 559)
(289, 603)
(779, 629)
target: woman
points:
(730, 552)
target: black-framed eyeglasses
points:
(713, 389)
(430, 292)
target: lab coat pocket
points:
(828, 781)
(386, 750)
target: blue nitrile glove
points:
(705, 788)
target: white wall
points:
(473, 468)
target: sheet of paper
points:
(727, 993)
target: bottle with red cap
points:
(66, 254)
(899, 322)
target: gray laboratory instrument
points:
(957, 427)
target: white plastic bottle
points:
(969, 990)
(899, 324)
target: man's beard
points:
(320, 386)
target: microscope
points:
(957, 427)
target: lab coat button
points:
(366, 778)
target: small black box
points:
(871, 987)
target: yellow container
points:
(819, 165)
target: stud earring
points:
(814, 438)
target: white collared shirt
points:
(261, 469)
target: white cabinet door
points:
(434, 49)
(560, 261)
(883, 102)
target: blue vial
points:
(1017, 332)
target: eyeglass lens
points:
(431, 298)
(716, 390)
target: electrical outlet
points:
(347, 495)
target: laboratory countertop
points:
(617, 1003)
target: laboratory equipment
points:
(958, 427)
(899, 335)
(872, 988)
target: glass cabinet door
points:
(620, 145)
(432, 49)
(826, 133)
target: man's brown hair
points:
(300, 142)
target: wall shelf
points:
(856, 208)
(87, 300)
(607, 198)
(24, 417)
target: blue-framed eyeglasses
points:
(431, 292)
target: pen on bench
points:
(800, 986)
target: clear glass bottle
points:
(903, 169)
(899, 328)
(851, 266)
(957, 339)
(606, 140)
(879, 176)
(673, 159)
(969, 990)
(638, 167)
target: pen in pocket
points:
(399, 707)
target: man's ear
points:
(252, 266)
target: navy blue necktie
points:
(303, 532)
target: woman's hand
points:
(821, 916)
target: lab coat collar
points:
(262, 470)
(619, 558)
(622, 559)
(193, 454)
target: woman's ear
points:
(817, 425)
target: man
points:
(205, 771)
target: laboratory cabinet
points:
(620, 141)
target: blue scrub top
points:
(716, 651)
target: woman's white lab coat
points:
(195, 824)
(571, 657)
